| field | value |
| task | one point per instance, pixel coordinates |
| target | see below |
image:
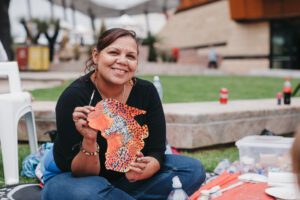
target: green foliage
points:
(165, 56)
(102, 27)
(152, 56)
(41, 27)
(150, 42)
(151, 39)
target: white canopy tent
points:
(116, 8)
(128, 22)
(87, 7)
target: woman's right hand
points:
(83, 164)
(80, 119)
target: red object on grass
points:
(223, 96)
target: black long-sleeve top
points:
(142, 96)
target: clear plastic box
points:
(261, 154)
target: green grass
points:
(23, 152)
(206, 88)
(199, 88)
(49, 94)
(212, 156)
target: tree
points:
(35, 27)
(150, 41)
(51, 38)
(102, 27)
(29, 26)
(5, 35)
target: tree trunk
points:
(52, 40)
(5, 36)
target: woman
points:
(75, 173)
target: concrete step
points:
(202, 124)
(194, 125)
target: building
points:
(246, 34)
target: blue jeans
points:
(65, 186)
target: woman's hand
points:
(83, 165)
(142, 168)
(80, 119)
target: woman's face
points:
(118, 62)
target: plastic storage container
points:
(261, 154)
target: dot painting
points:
(124, 135)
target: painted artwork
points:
(125, 137)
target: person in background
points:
(212, 59)
(75, 168)
(175, 54)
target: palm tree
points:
(150, 41)
(51, 37)
(5, 36)
(32, 36)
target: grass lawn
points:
(191, 89)
(199, 88)
(210, 157)
(23, 152)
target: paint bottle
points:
(223, 96)
(177, 193)
(287, 91)
(279, 98)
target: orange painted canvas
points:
(125, 137)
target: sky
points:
(41, 9)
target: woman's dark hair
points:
(106, 39)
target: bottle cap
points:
(156, 78)
(224, 90)
(279, 95)
(176, 182)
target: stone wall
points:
(195, 125)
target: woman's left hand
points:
(142, 168)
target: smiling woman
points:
(126, 160)
(114, 64)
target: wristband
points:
(87, 153)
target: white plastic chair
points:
(13, 106)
